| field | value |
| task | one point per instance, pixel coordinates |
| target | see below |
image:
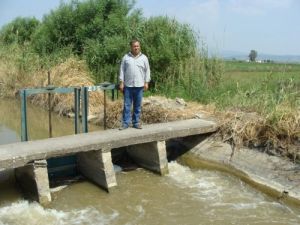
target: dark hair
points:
(133, 41)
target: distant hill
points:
(261, 56)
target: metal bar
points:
(24, 134)
(84, 115)
(49, 107)
(65, 90)
(108, 87)
(117, 90)
(101, 87)
(104, 108)
(76, 108)
(50, 89)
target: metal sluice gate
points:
(65, 166)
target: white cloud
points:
(257, 6)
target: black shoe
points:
(123, 128)
(138, 126)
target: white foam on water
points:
(24, 213)
(140, 209)
(58, 188)
(204, 187)
(185, 177)
(238, 206)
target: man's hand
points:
(121, 87)
(146, 86)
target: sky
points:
(267, 26)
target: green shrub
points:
(19, 31)
(73, 24)
(167, 43)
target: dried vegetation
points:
(280, 137)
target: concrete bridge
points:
(93, 150)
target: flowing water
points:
(185, 196)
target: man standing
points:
(134, 79)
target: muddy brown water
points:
(185, 196)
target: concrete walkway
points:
(19, 154)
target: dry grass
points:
(9, 76)
(71, 73)
(156, 109)
(280, 136)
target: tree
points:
(166, 43)
(252, 55)
(20, 30)
(76, 23)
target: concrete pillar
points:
(98, 167)
(34, 182)
(151, 156)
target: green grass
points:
(260, 90)
(260, 67)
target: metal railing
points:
(81, 97)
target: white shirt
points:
(134, 70)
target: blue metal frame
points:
(85, 101)
(24, 93)
(24, 135)
(79, 93)
(77, 109)
(84, 110)
(63, 166)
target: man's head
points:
(135, 47)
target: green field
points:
(258, 87)
(260, 67)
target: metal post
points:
(104, 108)
(49, 108)
(76, 108)
(112, 94)
(84, 95)
(24, 134)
